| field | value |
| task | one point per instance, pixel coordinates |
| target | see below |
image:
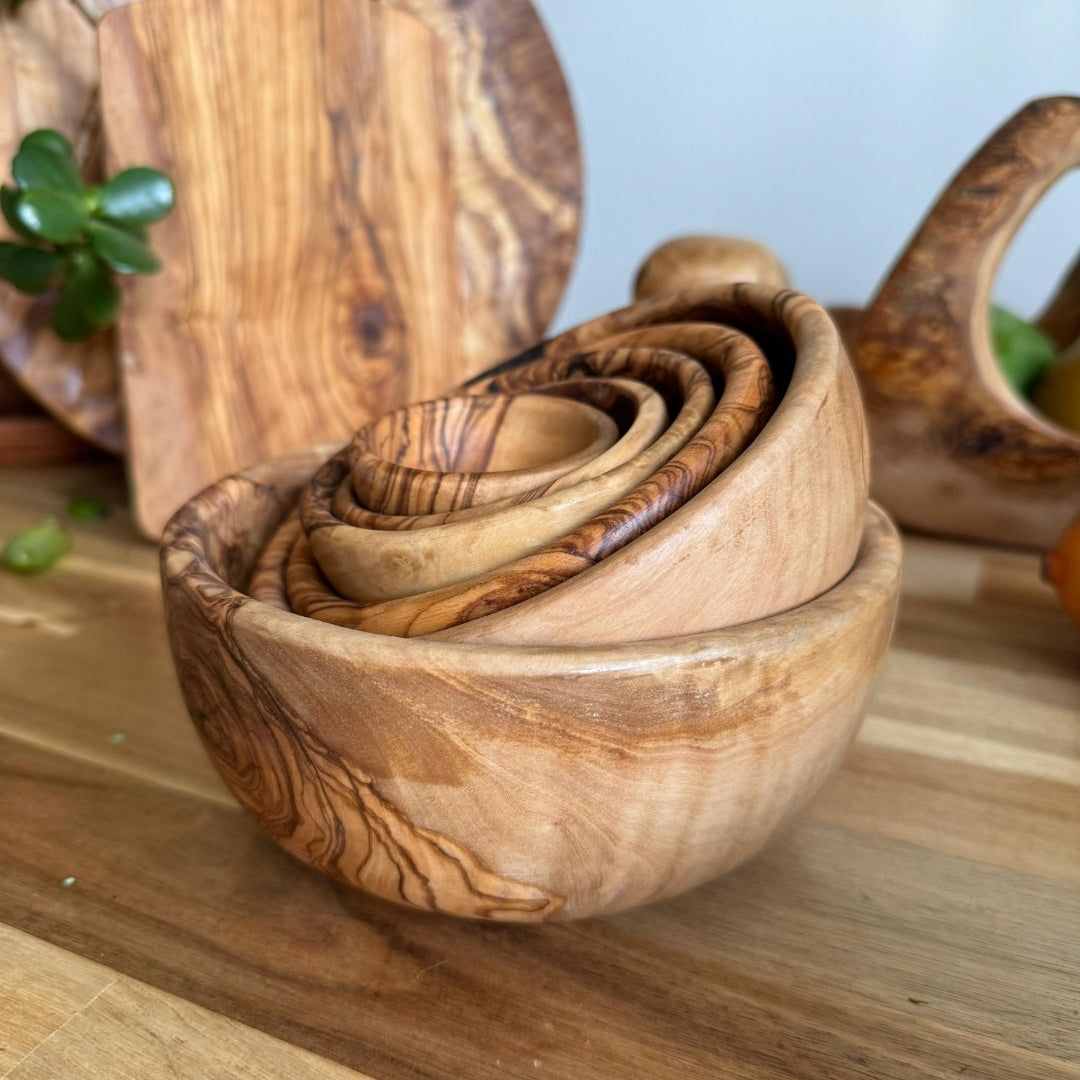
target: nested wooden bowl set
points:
(576, 637)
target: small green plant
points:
(78, 235)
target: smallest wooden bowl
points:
(439, 456)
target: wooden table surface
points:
(921, 918)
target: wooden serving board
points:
(49, 78)
(324, 263)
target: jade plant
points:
(77, 235)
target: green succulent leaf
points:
(122, 250)
(53, 141)
(36, 548)
(69, 318)
(1023, 351)
(9, 204)
(94, 290)
(52, 215)
(30, 270)
(138, 196)
(39, 168)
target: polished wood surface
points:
(49, 78)
(955, 450)
(711, 562)
(440, 456)
(515, 163)
(320, 272)
(918, 920)
(516, 167)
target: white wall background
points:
(823, 129)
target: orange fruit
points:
(1062, 569)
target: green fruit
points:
(1023, 351)
(1057, 393)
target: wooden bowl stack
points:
(577, 637)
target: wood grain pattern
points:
(478, 565)
(955, 450)
(41, 988)
(78, 1018)
(516, 167)
(450, 454)
(627, 757)
(49, 78)
(514, 158)
(372, 558)
(940, 864)
(645, 566)
(361, 279)
(805, 474)
(285, 313)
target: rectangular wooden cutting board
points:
(309, 276)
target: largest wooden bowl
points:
(503, 782)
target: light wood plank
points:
(41, 988)
(126, 1030)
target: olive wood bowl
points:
(376, 561)
(438, 456)
(688, 261)
(504, 782)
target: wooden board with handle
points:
(322, 265)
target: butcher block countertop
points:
(921, 919)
